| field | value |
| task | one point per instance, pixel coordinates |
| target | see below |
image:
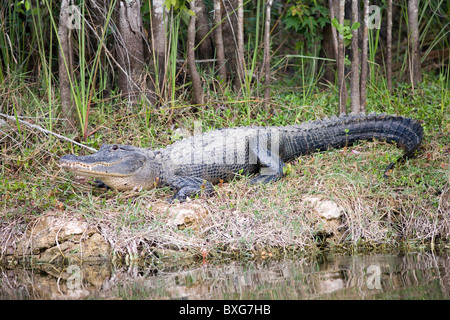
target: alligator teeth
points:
(137, 189)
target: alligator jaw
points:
(92, 166)
(120, 167)
(97, 170)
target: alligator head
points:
(120, 167)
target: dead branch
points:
(46, 131)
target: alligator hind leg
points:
(270, 163)
(188, 187)
(262, 178)
(269, 173)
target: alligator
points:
(191, 166)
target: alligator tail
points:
(337, 132)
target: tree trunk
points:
(364, 54)
(414, 50)
(205, 50)
(355, 98)
(239, 79)
(229, 31)
(267, 54)
(159, 40)
(196, 81)
(218, 41)
(98, 11)
(333, 29)
(329, 48)
(66, 67)
(131, 50)
(340, 65)
(389, 46)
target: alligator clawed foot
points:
(101, 184)
(263, 178)
(175, 199)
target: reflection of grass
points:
(326, 276)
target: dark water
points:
(410, 276)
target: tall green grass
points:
(83, 89)
(20, 49)
(250, 66)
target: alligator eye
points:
(115, 147)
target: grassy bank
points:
(410, 210)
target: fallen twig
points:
(46, 131)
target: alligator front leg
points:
(100, 184)
(188, 187)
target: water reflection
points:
(417, 276)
